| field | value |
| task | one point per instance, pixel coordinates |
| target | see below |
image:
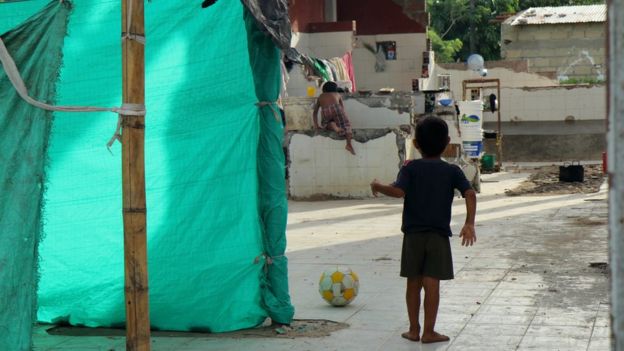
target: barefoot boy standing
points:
(427, 186)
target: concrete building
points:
(541, 120)
(320, 167)
(330, 28)
(567, 43)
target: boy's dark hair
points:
(431, 136)
(330, 87)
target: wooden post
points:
(133, 169)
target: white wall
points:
(399, 73)
(583, 103)
(320, 45)
(299, 113)
(508, 77)
(534, 97)
(321, 166)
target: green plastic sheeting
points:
(24, 132)
(273, 207)
(216, 203)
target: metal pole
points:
(616, 168)
(473, 41)
(133, 177)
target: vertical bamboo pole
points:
(133, 169)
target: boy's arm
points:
(387, 190)
(468, 234)
(315, 115)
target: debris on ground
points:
(602, 267)
(299, 328)
(545, 181)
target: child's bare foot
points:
(430, 338)
(411, 336)
(349, 148)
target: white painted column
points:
(616, 168)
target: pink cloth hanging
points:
(348, 60)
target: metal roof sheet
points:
(559, 15)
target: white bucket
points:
(471, 120)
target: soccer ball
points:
(339, 286)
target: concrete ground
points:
(526, 285)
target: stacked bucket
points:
(471, 127)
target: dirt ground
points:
(313, 328)
(545, 181)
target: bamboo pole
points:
(133, 169)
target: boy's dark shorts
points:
(428, 254)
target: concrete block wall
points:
(510, 77)
(570, 50)
(579, 103)
(552, 123)
(362, 116)
(321, 168)
(399, 73)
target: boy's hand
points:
(373, 186)
(468, 235)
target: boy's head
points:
(431, 136)
(330, 87)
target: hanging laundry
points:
(348, 60)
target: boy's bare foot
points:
(350, 149)
(411, 336)
(430, 338)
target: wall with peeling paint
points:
(512, 74)
(320, 166)
(568, 50)
(398, 73)
(541, 120)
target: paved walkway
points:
(526, 285)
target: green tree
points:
(446, 50)
(453, 20)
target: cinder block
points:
(577, 35)
(559, 34)
(525, 35)
(546, 33)
(582, 70)
(513, 54)
(540, 62)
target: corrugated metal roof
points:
(559, 15)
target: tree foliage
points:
(452, 20)
(446, 50)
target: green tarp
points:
(24, 135)
(214, 169)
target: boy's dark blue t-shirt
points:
(429, 187)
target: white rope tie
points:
(9, 66)
(131, 36)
